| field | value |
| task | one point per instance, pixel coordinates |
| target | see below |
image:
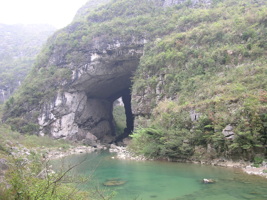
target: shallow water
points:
(152, 180)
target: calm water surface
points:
(151, 180)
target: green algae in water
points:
(148, 180)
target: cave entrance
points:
(83, 110)
(123, 116)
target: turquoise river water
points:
(154, 180)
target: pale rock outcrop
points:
(83, 110)
(228, 132)
(194, 115)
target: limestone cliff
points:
(167, 53)
(97, 54)
(84, 109)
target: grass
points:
(24, 170)
(29, 141)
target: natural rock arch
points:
(83, 111)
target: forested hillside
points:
(203, 86)
(199, 90)
(88, 7)
(18, 48)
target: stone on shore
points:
(123, 154)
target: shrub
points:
(30, 179)
(23, 126)
(258, 160)
(120, 119)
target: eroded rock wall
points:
(77, 117)
(83, 111)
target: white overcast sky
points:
(58, 13)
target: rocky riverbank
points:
(60, 153)
(259, 171)
(26, 155)
(20, 151)
(247, 167)
(124, 154)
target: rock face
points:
(5, 93)
(84, 110)
(228, 132)
(194, 115)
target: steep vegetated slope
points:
(204, 85)
(84, 59)
(88, 7)
(18, 49)
(200, 84)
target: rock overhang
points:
(104, 79)
(83, 110)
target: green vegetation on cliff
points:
(213, 64)
(204, 59)
(204, 69)
(118, 20)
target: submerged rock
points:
(114, 182)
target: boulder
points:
(228, 132)
(194, 115)
(207, 181)
(114, 148)
(3, 164)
